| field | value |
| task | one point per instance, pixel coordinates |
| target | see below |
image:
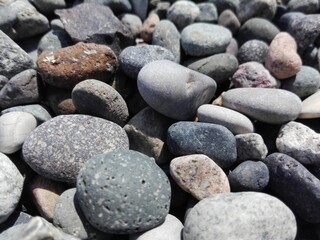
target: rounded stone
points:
(236, 122)
(148, 27)
(311, 107)
(174, 90)
(3, 81)
(48, 6)
(203, 39)
(132, 22)
(253, 50)
(14, 129)
(305, 6)
(54, 40)
(96, 98)
(257, 8)
(229, 20)
(208, 12)
(117, 6)
(249, 176)
(11, 184)
(58, 148)
(247, 215)
(123, 192)
(213, 140)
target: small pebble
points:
(253, 50)
(257, 8)
(132, 22)
(311, 107)
(148, 27)
(117, 6)
(48, 6)
(305, 6)
(3, 81)
(229, 20)
(222, 5)
(60, 101)
(54, 40)
(56, 24)
(208, 12)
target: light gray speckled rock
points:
(305, 6)
(247, 215)
(11, 183)
(123, 191)
(58, 148)
(208, 12)
(253, 50)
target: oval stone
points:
(174, 90)
(58, 148)
(311, 107)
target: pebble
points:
(68, 66)
(23, 88)
(3, 81)
(257, 8)
(295, 186)
(147, 131)
(14, 129)
(148, 27)
(300, 142)
(140, 8)
(134, 58)
(213, 140)
(167, 35)
(249, 176)
(305, 6)
(13, 59)
(117, 6)
(60, 101)
(58, 148)
(56, 24)
(253, 75)
(174, 90)
(250, 146)
(253, 50)
(183, 13)
(311, 107)
(282, 59)
(170, 229)
(7, 18)
(54, 40)
(233, 47)
(203, 39)
(236, 122)
(48, 6)
(256, 103)
(132, 22)
(305, 83)
(229, 20)
(10, 187)
(222, 5)
(246, 215)
(96, 98)
(199, 175)
(208, 12)
(123, 192)
(220, 67)
(161, 8)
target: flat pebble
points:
(213, 140)
(257, 8)
(247, 215)
(284, 106)
(132, 22)
(58, 148)
(229, 20)
(11, 185)
(174, 90)
(203, 39)
(249, 176)
(236, 122)
(300, 142)
(295, 186)
(199, 175)
(123, 192)
(148, 27)
(208, 12)
(253, 50)
(311, 107)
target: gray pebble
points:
(48, 6)
(117, 6)
(140, 8)
(3, 81)
(7, 18)
(257, 8)
(54, 40)
(208, 13)
(229, 20)
(305, 6)
(253, 50)
(233, 47)
(161, 8)
(56, 24)
(123, 192)
(16, 218)
(132, 22)
(203, 39)
(222, 5)
(134, 58)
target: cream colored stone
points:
(311, 107)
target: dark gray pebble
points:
(229, 20)
(253, 50)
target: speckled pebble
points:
(253, 50)
(208, 12)
(257, 8)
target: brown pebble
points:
(149, 26)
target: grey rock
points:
(220, 67)
(117, 6)
(13, 59)
(161, 8)
(213, 140)
(250, 146)
(253, 50)
(257, 8)
(226, 4)
(174, 90)
(56, 24)
(16, 218)
(300, 142)
(132, 22)
(182, 13)
(208, 13)
(3, 81)
(310, 57)
(305, 6)
(140, 8)
(23, 88)
(229, 20)
(249, 176)
(54, 40)
(134, 58)
(123, 192)
(48, 6)
(7, 18)
(11, 185)
(58, 148)
(284, 106)
(203, 39)
(247, 215)
(295, 186)
(167, 35)
(310, 107)
(233, 47)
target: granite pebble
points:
(257, 8)
(253, 50)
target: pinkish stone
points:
(149, 26)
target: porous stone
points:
(253, 74)
(300, 142)
(14, 129)
(148, 27)
(253, 50)
(132, 22)
(229, 20)
(117, 6)
(11, 185)
(174, 90)
(199, 175)
(282, 59)
(295, 186)
(208, 12)
(247, 215)
(213, 140)
(257, 8)
(311, 107)
(123, 192)
(249, 176)
(58, 148)
(48, 6)
(21, 89)
(284, 106)
(54, 40)
(203, 39)
(134, 58)
(96, 98)
(68, 66)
